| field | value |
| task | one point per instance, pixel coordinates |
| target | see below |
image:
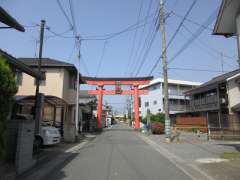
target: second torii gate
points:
(117, 82)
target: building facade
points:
(87, 105)
(217, 101)
(60, 82)
(154, 101)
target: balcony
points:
(177, 107)
(204, 103)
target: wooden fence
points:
(192, 124)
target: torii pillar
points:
(136, 108)
(99, 108)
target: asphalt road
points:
(117, 154)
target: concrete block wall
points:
(24, 152)
(11, 139)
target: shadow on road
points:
(59, 173)
(236, 146)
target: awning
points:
(52, 100)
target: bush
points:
(159, 117)
(157, 128)
(8, 89)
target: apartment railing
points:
(177, 107)
(208, 102)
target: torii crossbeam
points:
(117, 82)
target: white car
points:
(48, 136)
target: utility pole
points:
(77, 87)
(148, 120)
(37, 113)
(165, 73)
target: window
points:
(154, 102)
(173, 90)
(19, 77)
(72, 81)
(146, 104)
(42, 82)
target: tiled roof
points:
(213, 82)
(46, 62)
(84, 94)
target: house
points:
(218, 100)
(87, 104)
(60, 82)
(154, 101)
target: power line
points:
(85, 66)
(195, 35)
(128, 29)
(135, 32)
(143, 30)
(205, 44)
(174, 35)
(181, 23)
(64, 13)
(146, 53)
(147, 44)
(101, 58)
(72, 51)
(61, 35)
(195, 69)
(191, 21)
(73, 18)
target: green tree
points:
(159, 117)
(8, 89)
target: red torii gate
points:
(117, 82)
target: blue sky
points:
(95, 17)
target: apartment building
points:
(154, 101)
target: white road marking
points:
(76, 148)
(211, 160)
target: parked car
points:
(157, 128)
(48, 136)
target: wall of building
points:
(69, 93)
(233, 93)
(155, 94)
(52, 86)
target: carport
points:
(54, 109)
